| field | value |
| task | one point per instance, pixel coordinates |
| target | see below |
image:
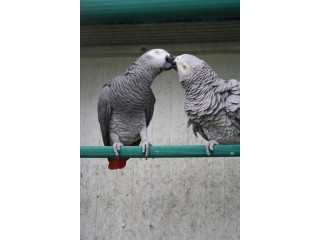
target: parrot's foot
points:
(145, 147)
(209, 146)
(116, 148)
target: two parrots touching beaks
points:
(126, 103)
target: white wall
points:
(184, 198)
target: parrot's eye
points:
(156, 51)
(184, 66)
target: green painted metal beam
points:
(181, 151)
(126, 11)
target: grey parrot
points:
(126, 105)
(212, 104)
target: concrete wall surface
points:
(184, 198)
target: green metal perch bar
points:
(181, 151)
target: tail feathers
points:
(117, 163)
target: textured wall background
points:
(185, 198)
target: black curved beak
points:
(170, 58)
(166, 66)
(169, 64)
(174, 66)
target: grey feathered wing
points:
(232, 102)
(104, 113)
(150, 108)
(197, 128)
(231, 92)
(149, 114)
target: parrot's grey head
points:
(157, 59)
(187, 65)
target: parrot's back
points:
(215, 114)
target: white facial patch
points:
(159, 56)
(183, 68)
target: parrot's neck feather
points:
(142, 72)
(203, 79)
(200, 92)
(131, 91)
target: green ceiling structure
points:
(136, 11)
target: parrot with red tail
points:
(126, 105)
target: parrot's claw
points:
(209, 146)
(145, 147)
(116, 148)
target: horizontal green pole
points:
(123, 11)
(181, 151)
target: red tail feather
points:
(117, 163)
